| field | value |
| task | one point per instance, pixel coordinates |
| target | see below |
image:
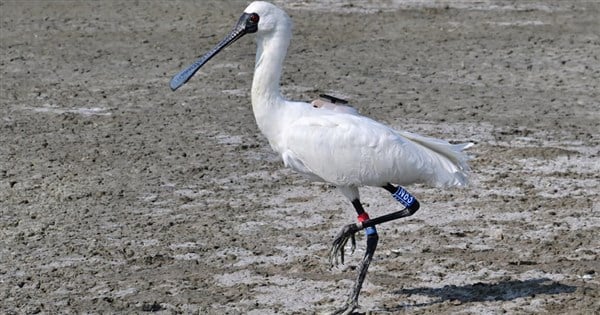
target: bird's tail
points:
(451, 163)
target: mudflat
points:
(120, 196)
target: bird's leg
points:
(364, 222)
(347, 233)
(342, 238)
(411, 206)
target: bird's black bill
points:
(248, 23)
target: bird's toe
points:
(346, 309)
(336, 254)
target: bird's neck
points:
(267, 101)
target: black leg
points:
(347, 233)
(338, 246)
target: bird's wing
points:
(348, 149)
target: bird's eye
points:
(254, 18)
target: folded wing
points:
(353, 150)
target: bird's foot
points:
(337, 249)
(347, 309)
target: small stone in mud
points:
(497, 234)
(154, 307)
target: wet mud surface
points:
(120, 196)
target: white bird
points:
(332, 143)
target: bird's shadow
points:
(481, 292)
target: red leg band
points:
(363, 217)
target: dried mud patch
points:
(119, 196)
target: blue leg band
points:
(404, 197)
(371, 230)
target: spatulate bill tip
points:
(177, 81)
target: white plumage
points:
(351, 150)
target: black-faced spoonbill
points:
(336, 145)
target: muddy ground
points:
(120, 196)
